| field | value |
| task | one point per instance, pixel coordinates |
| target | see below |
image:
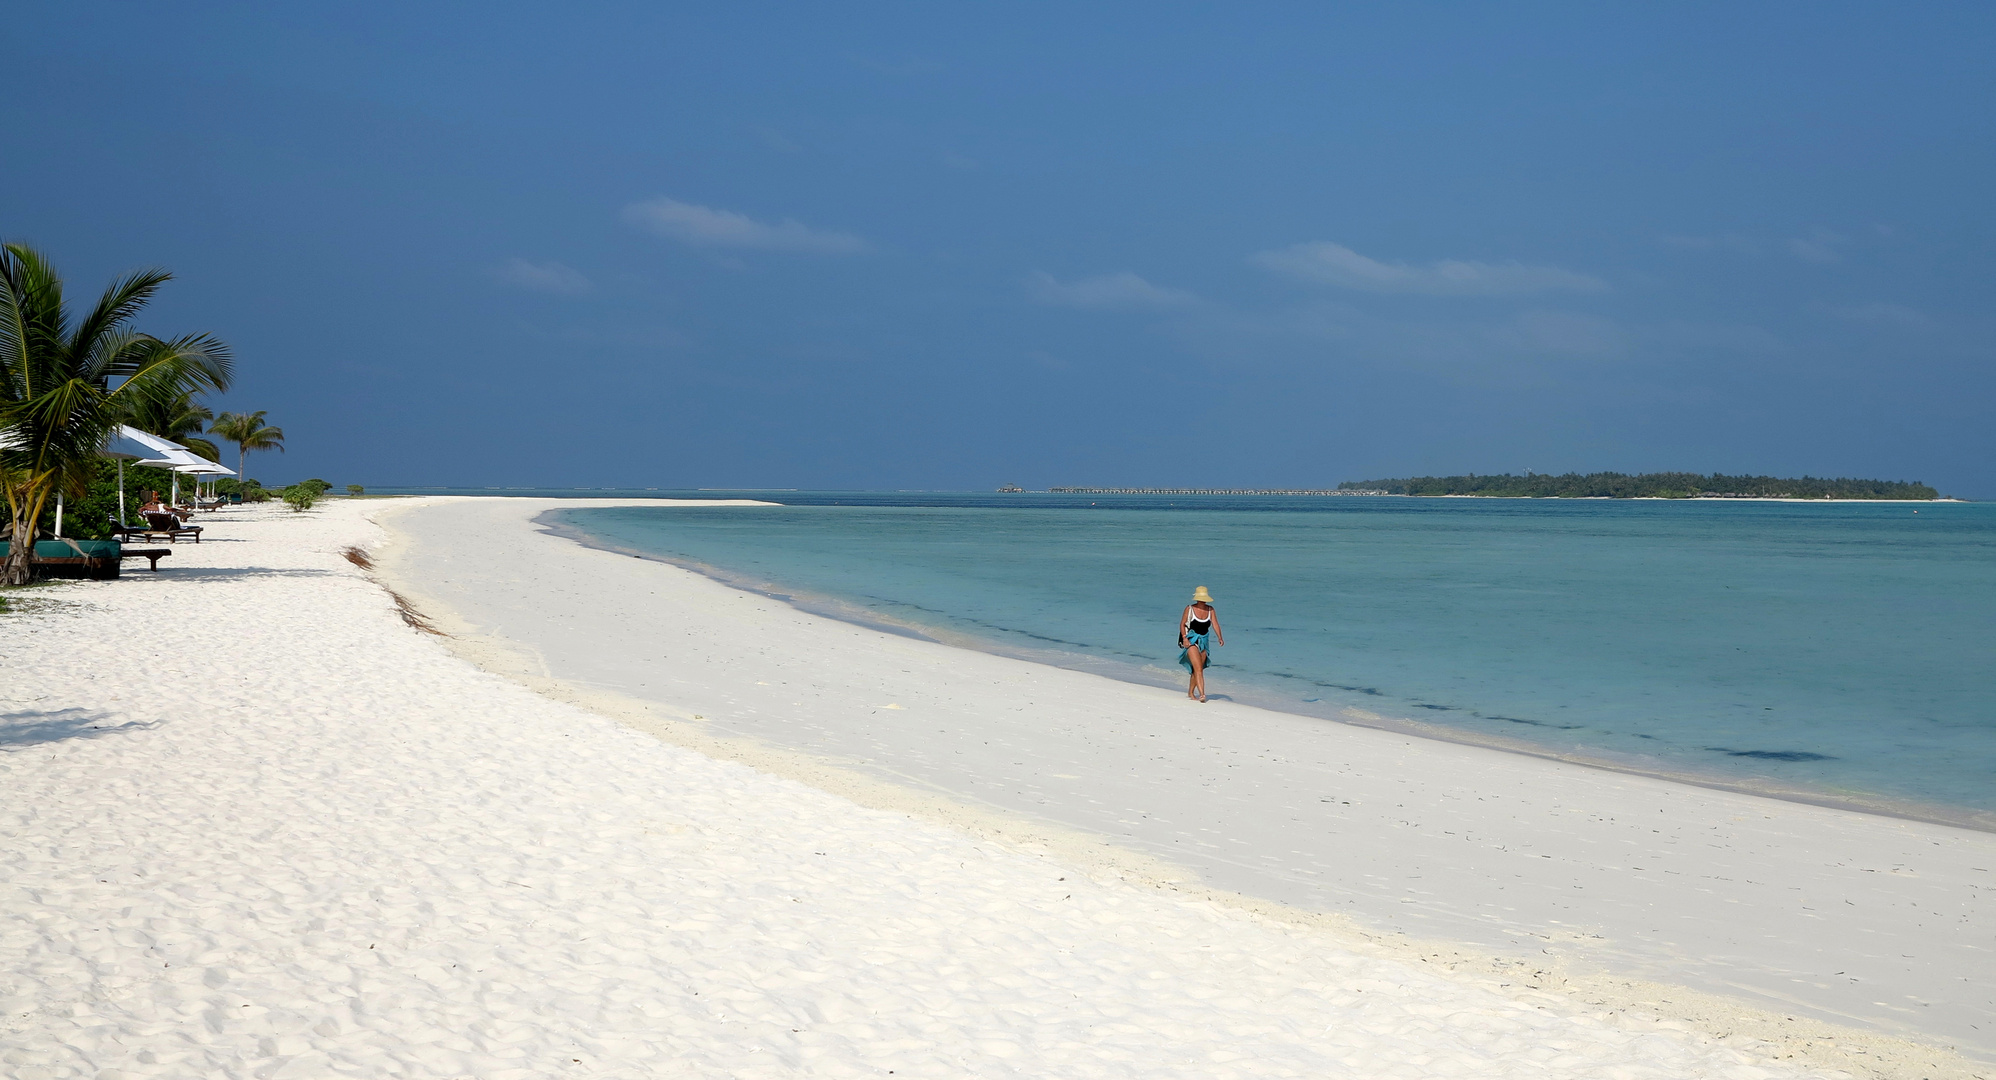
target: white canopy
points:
(172, 455)
(204, 468)
(148, 440)
(151, 441)
(177, 460)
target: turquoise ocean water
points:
(1842, 651)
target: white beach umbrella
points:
(204, 469)
(174, 461)
(172, 456)
(178, 462)
(150, 441)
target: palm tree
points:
(248, 432)
(65, 386)
(179, 419)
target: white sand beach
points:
(625, 821)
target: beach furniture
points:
(169, 525)
(152, 555)
(94, 559)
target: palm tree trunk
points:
(20, 569)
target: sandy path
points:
(1861, 919)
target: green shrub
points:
(356, 489)
(300, 497)
(249, 488)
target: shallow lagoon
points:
(1840, 648)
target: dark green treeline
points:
(1670, 485)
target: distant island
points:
(1670, 485)
(1345, 490)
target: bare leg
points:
(1198, 658)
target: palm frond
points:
(209, 357)
(62, 393)
(247, 429)
(31, 344)
(14, 306)
(159, 371)
(108, 353)
(178, 418)
(119, 305)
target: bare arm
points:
(1219, 635)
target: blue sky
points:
(943, 246)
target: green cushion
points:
(58, 549)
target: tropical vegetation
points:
(178, 419)
(300, 496)
(67, 383)
(92, 514)
(248, 432)
(1673, 485)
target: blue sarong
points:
(1202, 642)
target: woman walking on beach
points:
(1198, 631)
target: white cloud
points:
(1335, 264)
(1725, 337)
(552, 277)
(1881, 314)
(778, 141)
(1563, 333)
(1743, 245)
(705, 226)
(1108, 291)
(1820, 246)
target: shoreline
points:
(344, 851)
(832, 608)
(668, 495)
(1571, 955)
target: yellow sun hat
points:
(1201, 596)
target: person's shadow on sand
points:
(20, 730)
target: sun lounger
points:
(168, 525)
(97, 559)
